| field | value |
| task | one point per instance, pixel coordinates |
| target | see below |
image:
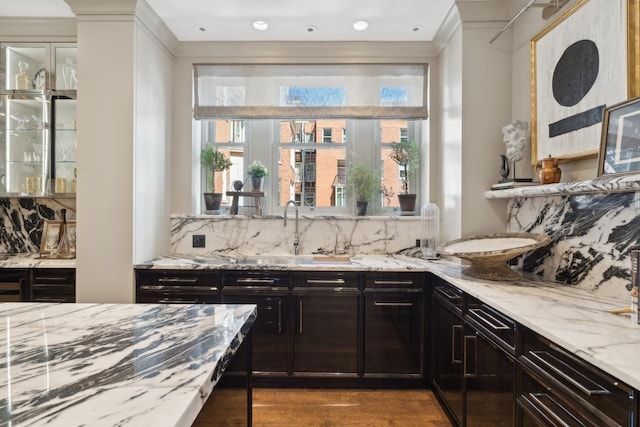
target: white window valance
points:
(285, 91)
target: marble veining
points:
(113, 364)
(23, 221)
(592, 236)
(27, 260)
(233, 235)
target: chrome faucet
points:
(296, 240)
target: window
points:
(326, 135)
(305, 132)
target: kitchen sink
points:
(292, 260)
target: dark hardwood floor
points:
(329, 408)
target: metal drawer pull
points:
(557, 365)
(448, 294)
(256, 281)
(455, 328)
(475, 356)
(489, 319)
(279, 316)
(300, 313)
(176, 280)
(326, 282)
(174, 301)
(167, 288)
(393, 304)
(536, 400)
(393, 282)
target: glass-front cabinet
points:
(37, 119)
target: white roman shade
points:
(365, 91)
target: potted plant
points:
(213, 160)
(257, 171)
(406, 154)
(363, 185)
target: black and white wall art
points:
(578, 68)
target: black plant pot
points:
(407, 204)
(361, 208)
(212, 202)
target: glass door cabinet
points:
(37, 119)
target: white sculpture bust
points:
(515, 139)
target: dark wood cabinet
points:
(53, 285)
(447, 356)
(394, 324)
(473, 358)
(270, 291)
(326, 323)
(557, 387)
(14, 284)
(178, 286)
(489, 367)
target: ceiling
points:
(320, 20)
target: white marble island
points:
(113, 364)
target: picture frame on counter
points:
(620, 141)
(578, 67)
(50, 233)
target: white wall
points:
(153, 110)
(486, 108)
(105, 161)
(124, 116)
(450, 68)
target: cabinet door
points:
(53, 285)
(489, 374)
(325, 335)
(271, 338)
(393, 333)
(447, 337)
(13, 285)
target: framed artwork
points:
(49, 241)
(620, 143)
(578, 67)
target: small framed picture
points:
(50, 236)
(620, 142)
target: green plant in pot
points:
(213, 160)
(363, 185)
(406, 154)
(257, 171)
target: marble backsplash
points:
(592, 236)
(23, 220)
(267, 235)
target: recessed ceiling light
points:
(360, 25)
(417, 28)
(200, 28)
(260, 25)
(311, 28)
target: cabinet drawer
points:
(500, 329)
(576, 383)
(257, 280)
(328, 280)
(177, 286)
(394, 280)
(448, 295)
(53, 285)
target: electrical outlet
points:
(417, 243)
(198, 241)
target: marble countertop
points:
(113, 364)
(27, 260)
(573, 318)
(286, 262)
